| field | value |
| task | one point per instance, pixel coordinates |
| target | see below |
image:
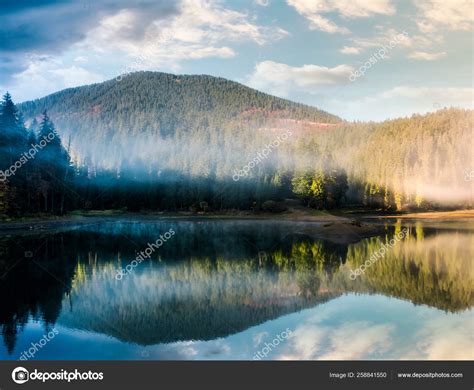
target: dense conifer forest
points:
(156, 141)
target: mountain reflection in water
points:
(218, 289)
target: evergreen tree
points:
(54, 166)
(12, 133)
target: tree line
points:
(34, 165)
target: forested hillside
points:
(163, 104)
(156, 141)
(419, 162)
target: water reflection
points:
(218, 285)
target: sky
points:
(359, 59)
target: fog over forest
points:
(161, 141)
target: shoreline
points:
(431, 215)
(293, 215)
(342, 228)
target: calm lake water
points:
(227, 289)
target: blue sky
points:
(416, 55)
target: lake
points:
(230, 289)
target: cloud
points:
(318, 22)
(311, 10)
(371, 339)
(444, 339)
(216, 23)
(350, 50)
(401, 39)
(360, 8)
(348, 341)
(349, 9)
(49, 27)
(68, 21)
(433, 20)
(262, 3)
(281, 78)
(199, 30)
(422, 55)
(119, 38)
(452, 15)
(44, 75)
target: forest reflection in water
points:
(216, 281)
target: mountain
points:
(160, 103)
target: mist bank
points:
(418, 163)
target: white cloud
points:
(45, 75)
(312, 10)
(446, 339)
(361, 8)
(202, 29)
(281, 78)
(371, 339)
(318, 22)
(350, 50)
(452, 15)
(263, 3)
(422, 55)
(401, 39)
(349, 341)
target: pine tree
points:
(12, 133)
(54, 167)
